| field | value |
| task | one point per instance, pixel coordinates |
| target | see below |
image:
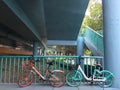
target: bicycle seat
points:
(50, 63)
(98, 66)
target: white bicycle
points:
(104, 78)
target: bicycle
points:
(56, 78)
(104, 78)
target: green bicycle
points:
(104, 78)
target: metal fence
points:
(11, 67)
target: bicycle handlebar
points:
(50, 63)
(33, 61)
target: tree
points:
(94, 19)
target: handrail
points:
(94, 31)
(95, 38)
(11, 66)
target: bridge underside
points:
(41, 20)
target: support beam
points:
(80, 46)
(35, 48)
(22, 16)
(13, 37)
(61, 42)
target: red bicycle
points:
(56, 78)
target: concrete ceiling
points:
(41, 20)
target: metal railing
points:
(95, 38)
(11, 67)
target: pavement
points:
(47, 87)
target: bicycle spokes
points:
(108, 77)
(73, 78)
(57, 79)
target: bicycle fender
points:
(108, 72)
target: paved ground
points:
(46, 87)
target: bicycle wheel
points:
(109, 79)
(26, 78)
(73, 78)
(57, 79)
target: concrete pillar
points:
(111, 23)
(80, 46)
(35, 48)
(44, 51)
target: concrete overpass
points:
(29, 21)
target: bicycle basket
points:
(27, 65)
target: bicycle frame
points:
(89, 79)
(56, 78)
(46, 72)
(103, 78)
(38, 73)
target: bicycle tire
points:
(109, 80)
(57, 75)
(71, 76)
(26, 78)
